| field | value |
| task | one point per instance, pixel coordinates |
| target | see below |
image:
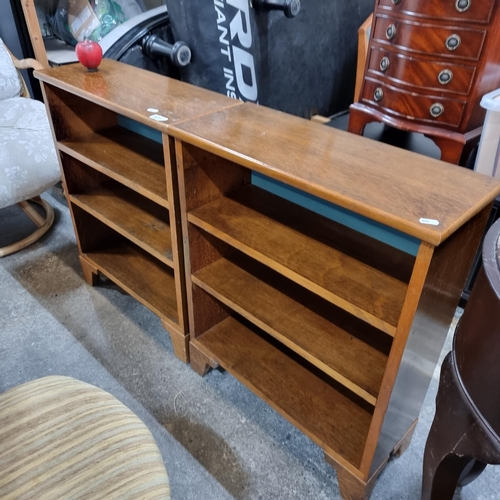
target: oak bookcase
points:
(336, 330)
(119, 183)
(339, 332)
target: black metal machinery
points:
(149, 44)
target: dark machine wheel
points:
(150, 45)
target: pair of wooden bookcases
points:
(337, 330)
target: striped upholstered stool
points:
(64, 439)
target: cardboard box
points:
(81, 19)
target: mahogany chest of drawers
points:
(428, 65)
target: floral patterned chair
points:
(28, 161)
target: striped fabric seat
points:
(64, 439)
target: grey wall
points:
(8, 30)
(9, 34)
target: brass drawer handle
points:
(453, 42)
(437, 109)
(445, 77)
(378, 94)
(390, 32)
(384, 64)
(463, 5)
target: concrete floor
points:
(218, 440)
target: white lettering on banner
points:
(242, 60)
(229, 75)
(226, 52)
(220, 15)
(221, 18)
(236, 25)
(223, 36)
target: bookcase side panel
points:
(175, 228)
(437, 304)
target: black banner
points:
(303, 65)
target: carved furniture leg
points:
(180, 342)
(90, 273)
(473, 470)
(199, 361)
(451, 150)
(459, 442)
(358, 121)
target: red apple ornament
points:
(89, 53)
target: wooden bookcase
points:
(336, 330)
(119, 184)
(339, 332)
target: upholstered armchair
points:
(28, 161)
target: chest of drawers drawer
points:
(425, 38)
(459, 10)
(412, 106)
(412, 71)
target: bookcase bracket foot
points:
(180, 342)
(199, 361)
(90, 272)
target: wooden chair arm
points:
(27, 63)
(24, 63)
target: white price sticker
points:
(159, 118)
(429, 222)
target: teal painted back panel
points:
(350, 219)
(139, 128)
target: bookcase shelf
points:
(143, 223)
(268, 301)
(292, 389)
(140, 275)
(251, 220)
(131, 159)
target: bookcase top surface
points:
(133, 91)
(420, 196)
